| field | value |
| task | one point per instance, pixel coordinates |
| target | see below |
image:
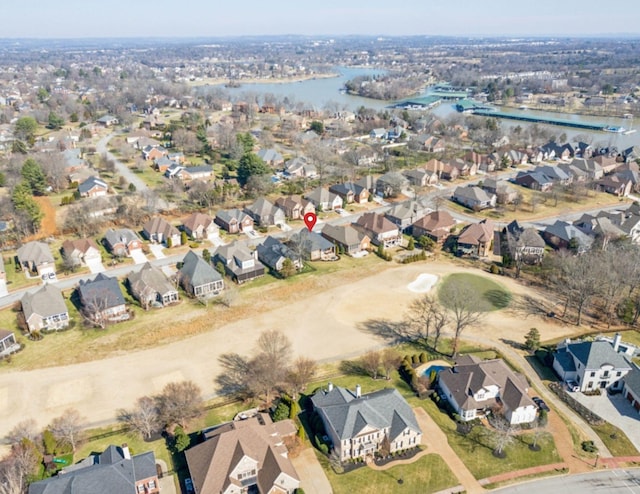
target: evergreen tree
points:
(532, 340)
(251, 165)
(34, 176)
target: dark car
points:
(541, 404)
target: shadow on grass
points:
(353, 368)
(393, 332)
(499, 299)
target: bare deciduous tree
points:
(26, 429)
(389, 360)
(143, 418)
(370, 362)
(68, 427)
(428, 318)
(300, 374)
(465, 306)
(178, 402)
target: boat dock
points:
(546, 120)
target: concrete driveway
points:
(616, 410)
(3, 288)
(312, 478)
(138, 256)
(95, 265)
(157, 251)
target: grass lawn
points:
(494, 294)
(475, 448)
(428, 474)
(615, 440)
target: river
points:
(326, 93)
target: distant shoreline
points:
(219, 81)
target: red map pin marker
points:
(310, 220)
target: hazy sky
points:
(186, 18)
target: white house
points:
(592, 364)
(474, 387)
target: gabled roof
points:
(436, 220)
(124, 235)
(102, 288)
(228, 215)
(90, 183)
(158, 225)
(310, 241)
(272, 250)
(35, 252)
(82, 245)
(477, 233)
(595, 354)
(269, 155)
(407, 210)
(349, 415)
(320, 195)
(566, 231)
(46, 301)
(345, 188)
(632, 380)
(198, 271)
(343, 234)
(149, 278)
(472, 193)
(375, 223)
(197, 219)
(107, 473)
(212, 462)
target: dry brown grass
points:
(48, 227)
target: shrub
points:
(181, 440)
(281, 412)
(589, 447)
(411, 245)
(494, 269)
(183, 238)
(423, 357)
(49, 442)
(421, 256)
(415, 358)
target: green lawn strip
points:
(496, 295)
(524, 478)
(475, 449)
(615, 440)
(427, 474)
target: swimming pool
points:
(437, 368)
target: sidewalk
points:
(522, 473)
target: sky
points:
(213, 18)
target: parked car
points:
(188, 486)
(540, 403)
(572, 386)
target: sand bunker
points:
(423, 284)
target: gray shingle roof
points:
(35, 252)
(310, 241)
(108, 473)
(595, 354)
(632, 380)
(90, 183)
(47, 301)
(198, 271)
(348, 415)
(103, 288)
(150, 278)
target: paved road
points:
(625, 481)
(123, 169)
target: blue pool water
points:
(437, 368)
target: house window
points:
(140, 487)
(152, 484)
(593, 374)
(590, 385)
(618, 374)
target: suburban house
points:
(107, 121)
(378, 133)
(239, 262)
(153, 152)
(198, 278)
(556, 174)
(93, 187)
(271, 157)
(534, 181)
(102, 300)
(436, 225)
(295, 207)
(577, 175)
(592, 364)
(81, 251)
(323, 200)
(404, 214)
(591, 167)
(45, 309)
(8, 343)
(527, 243)
(474, 198)
(151, 288)
(421, 177)
(273, 253)
(312, 246)
(391, 184)
(351, 240)
(475, 387)
(122, 241)
(189, 173)
(465, 169)
(36, 260)
(200, 226)
(563, 235)
(476, 239)
(367, 182)
(379, 229)
(114, 470)
(361, 425)
(300, 167)
(601, 228)
(160, 231)
(350, 192)
(554, 150)
(164, 163)
(615, 184)
(626, 221)
(234, 220)
(505, 193)
(630, 389)
(244, 456)
(442, 170)
(265, 213)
